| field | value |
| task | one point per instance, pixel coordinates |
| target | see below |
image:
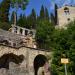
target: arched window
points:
(66, 10)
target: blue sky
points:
(36, 4)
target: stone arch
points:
(10, 57)
(39, 61)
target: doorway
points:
(39, 61)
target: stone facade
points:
(26, 67)
(19, 54)
(65, 14)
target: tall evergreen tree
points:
(56, 15)
(46, 14)
(16, 4)
(4, 10)
(33, 18)
(42, 13)
(22, 21)
(52, 19)
(44, 32)
(33, 14)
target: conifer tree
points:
(42, 13)
(46, 14)
(16, 4)
(52, 19)
(56, 15)
(22, 21)
(33, 18)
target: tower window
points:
(66, 10)
(68, 19)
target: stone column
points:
(34, 34)
(18, 30)
(12, 30)
(23, 32)
(28, 32)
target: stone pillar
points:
(18, 30)
(23, 32)
(34, 34)
(28, 32)
(13, 30)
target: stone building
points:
(17, 57)
(63, 15)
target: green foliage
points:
(44, 34)
(29, 21)
(4, 10)
(64, 44)
(22, 22)
(33, 18)
(4, 25)
(52, 19)
(44, 13)
(21, 3)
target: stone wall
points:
(24, 68)
(65, 18)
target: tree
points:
(5, 26)
(4, 10)
(33, 18)
(52, 19)
(42, 13)
(44, 34)
(56, 15)
(46, 14)
(64, 44)
(22, 22)
(16, 4)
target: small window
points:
(68, 19)
(66, 10)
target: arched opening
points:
(66, 10)
(7, 58)
(39, 61)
